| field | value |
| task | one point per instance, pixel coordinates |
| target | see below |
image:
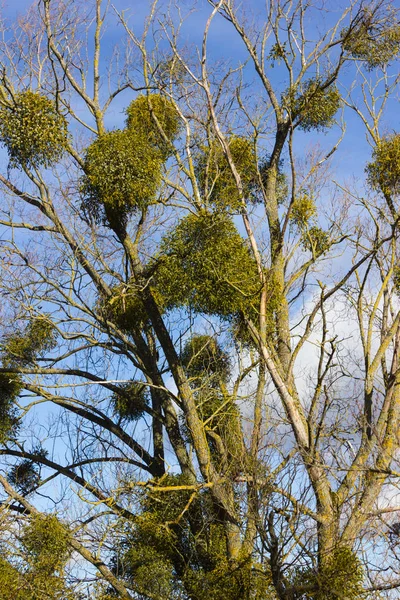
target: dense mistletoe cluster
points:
(178, 538)
(216, 272)
(24, 476)
(341, 572)
(202, 356)
(303, 210)
(131, 402)
(384, 171)
(216, 180)
(122, 174)
(375, 41)
(44, 549)
(47, 542)
(316, 240)
(10, 388)
(21, 348)
(123, 167)
(303, 215)
(33, 130)
(125, 308)
(312, 105)
(155, 119)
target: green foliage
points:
(131, 408)
(225, 583)
(43, 553)
(396, 278)
(339, 578)
(122, 174)
(10, 388)
(24, 346)
(273, 303)
(384, 171)
(208, 366)
(21, 348)
(123, 167)
(103, 592)
(316, 240)
(46, 542)
(151, 573)
(165, 506)
(277, 53)
(142, 116)
(202, 357)
(125, 308)
(303, 209)
(20, 582)
(24, 476)
(222, 417)
(12, 586)
(375, 41)
(212, 264)
(312, 106)
(154, 543)
(33, 130)
(178, 539)
(215, 178)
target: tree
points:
(199, 392)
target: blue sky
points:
(224, 43)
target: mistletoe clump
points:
(222, 417)
(12, 584)
(208, 367)
(375, 41)
(24, 476)
(312, 105)
(341, 571)
(23, 347)
(215, 270)
(122, 175)
(10, 388)
(33, 131)
(202, 355)
(174, 518)
(141, 560)
(123, 167)
(47, 542)
(155, 543)
(132, 402)
(214, 174)
(396, 278)
(170, 71)
(125, 308)
(303, 209)
(384, 172)
(154, 118)
(248, 580)
(316, 240)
